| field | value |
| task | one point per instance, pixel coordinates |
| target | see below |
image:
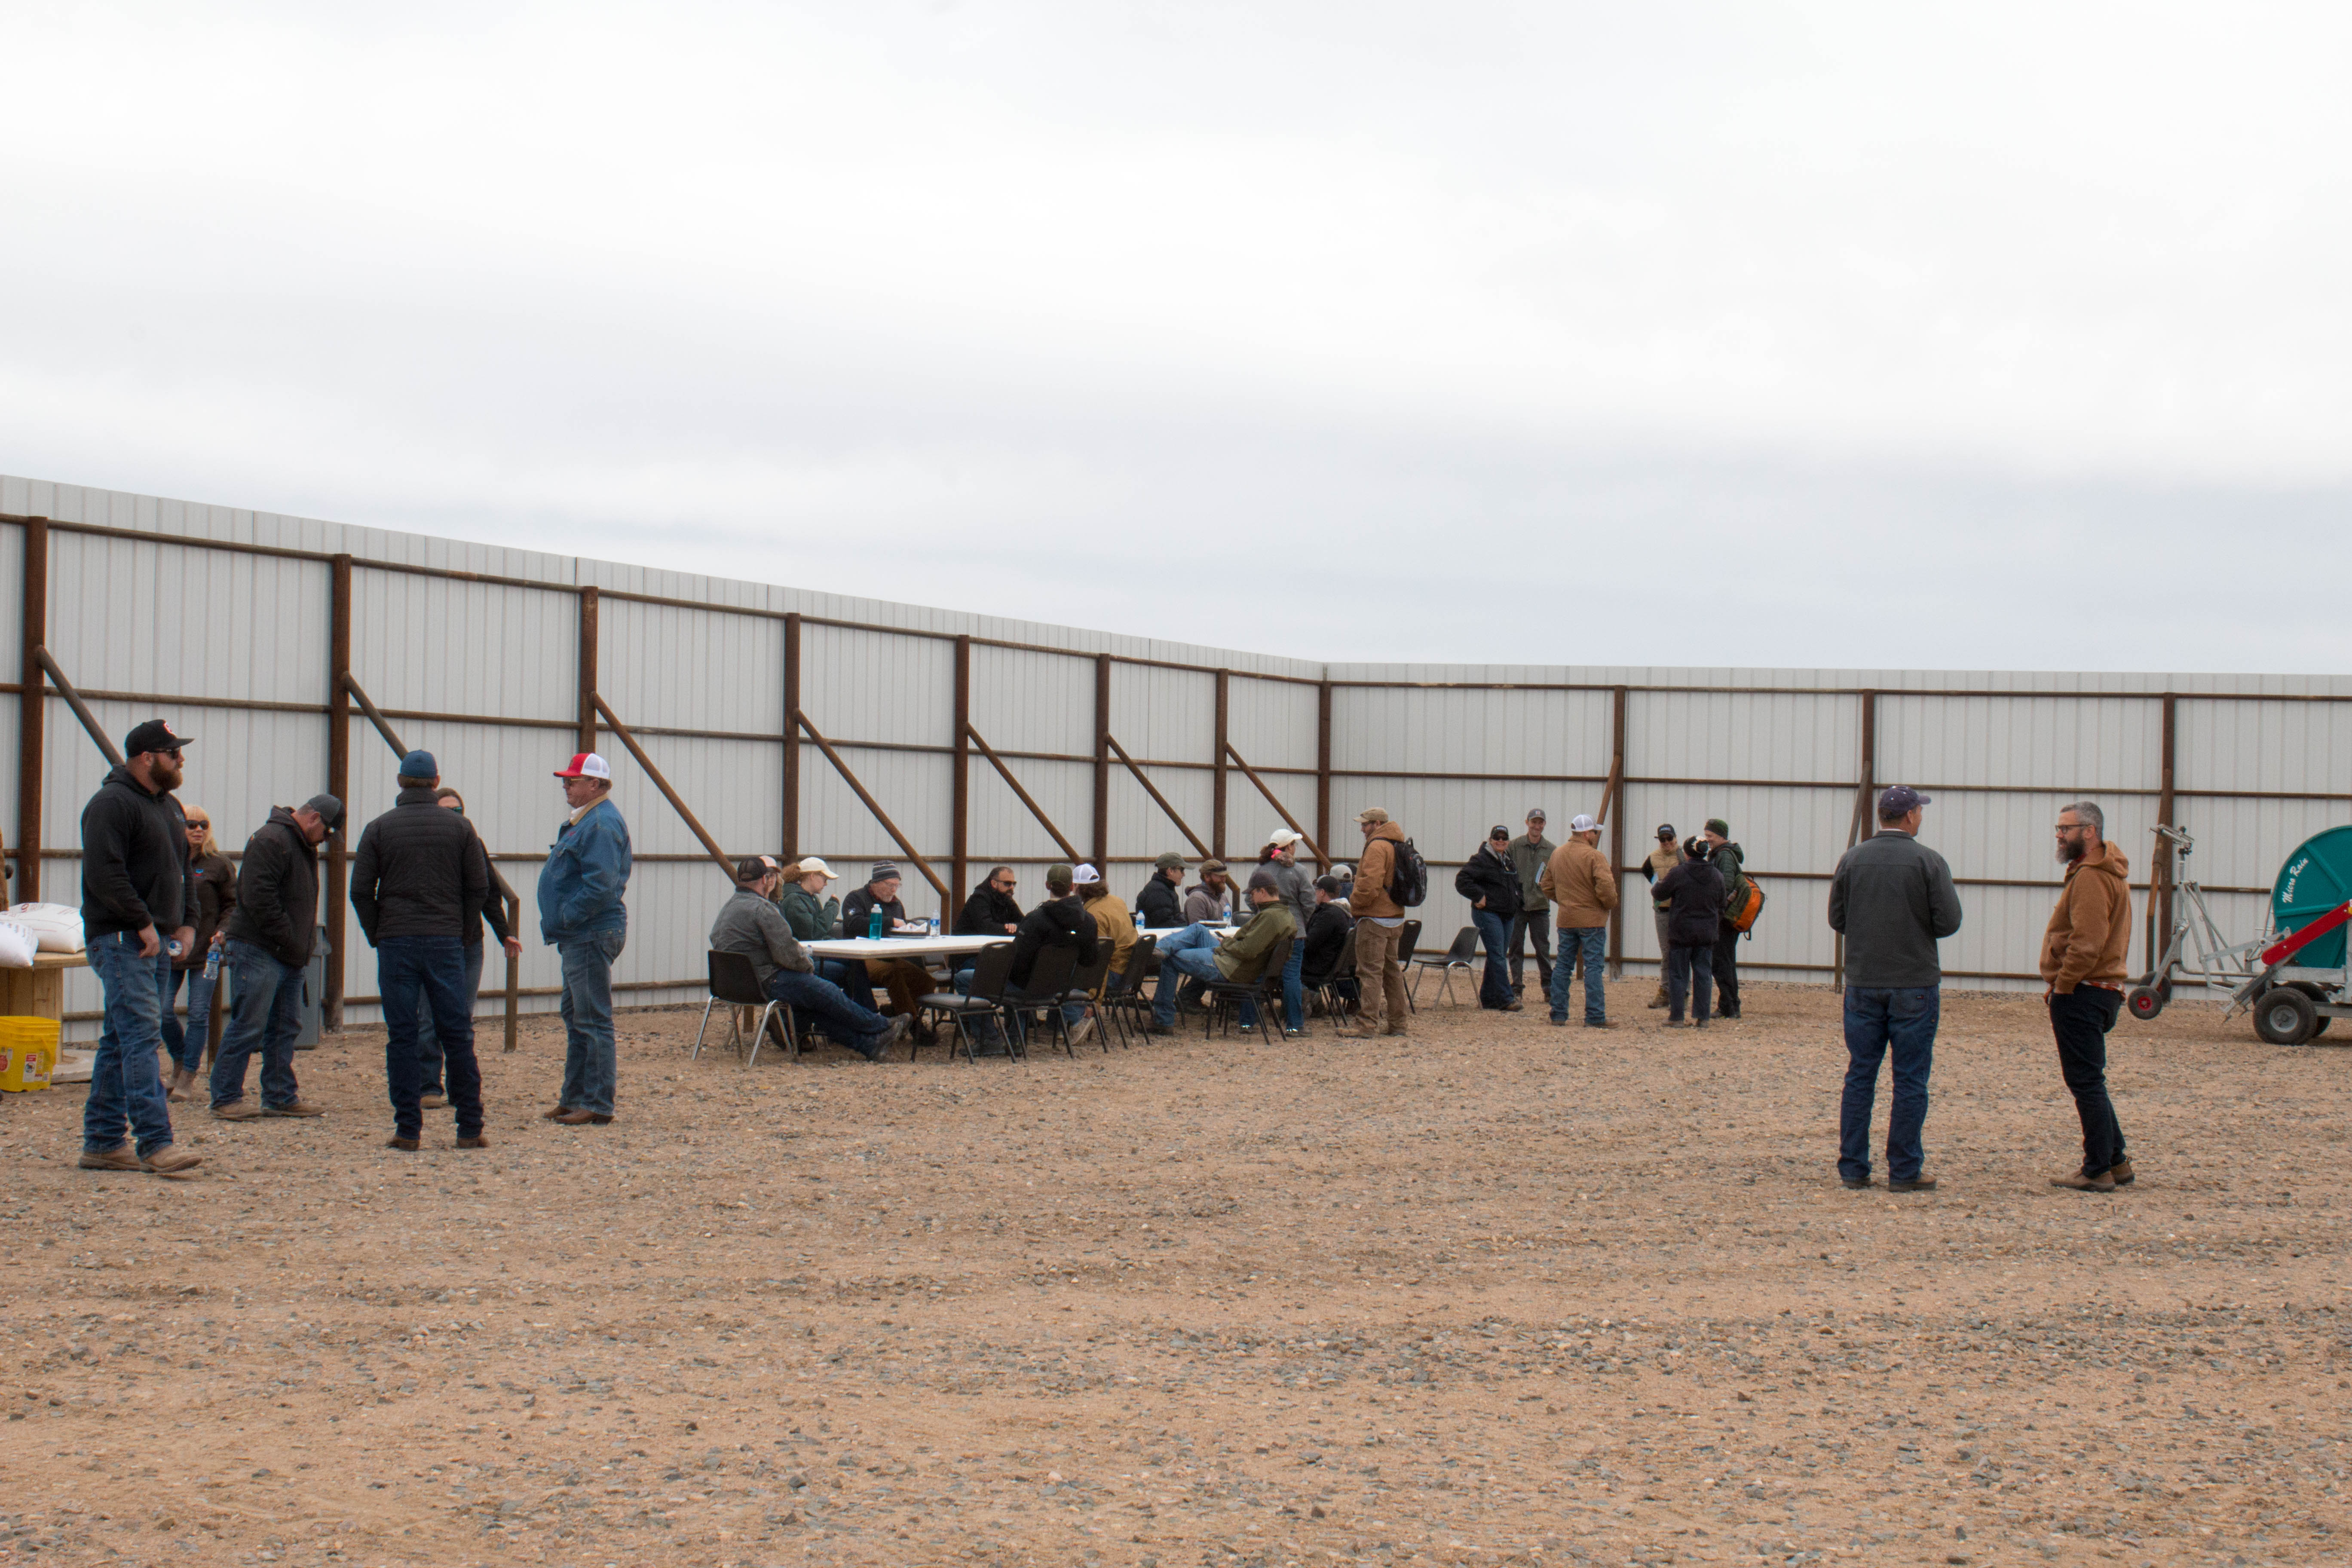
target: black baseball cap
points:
(1901, 800)
(1499, 831)
(152, 736)
(1666, 830)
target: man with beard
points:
(266, 946)
(2082, 960)
(136, 896)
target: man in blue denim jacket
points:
(581, 915)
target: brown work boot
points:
(119, 1158)
(171, 1160)
(475, 1141)
(237, 1110)
(405, 1146)
(2077, 1182)
(557, 1114)
(298, 1108)
(1662, 999)
(182, 1081)
(432, 1101)
(581, 1119)
(2122, 1174)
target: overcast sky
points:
(1982, 336)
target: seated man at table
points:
(749, 924)
(1194, 954)
(905, 982)
(1113, 923)
(1059, 922)
(1327, 938)
(989, 911)
(812, 916)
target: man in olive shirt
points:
(1194, 954)
(1529, 855)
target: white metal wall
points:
(1781, 759)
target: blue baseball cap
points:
(1901, 800)
(419, 765)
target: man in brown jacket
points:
(1380, 925)
(2082, 960)
(1583, 889)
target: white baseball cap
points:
(586, 766)
(1582, 824)
(1282, 837)
(1085, 875)
(813, 864)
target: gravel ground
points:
(1500, 1293)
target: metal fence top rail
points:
(578, 575)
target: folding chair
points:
(1049, 979)
(1326, 986)
(1225, 996)
(987, 998)
(1123, 993)
(734, 982)
(1084, 982)
(1408, 939)
(1458, 956)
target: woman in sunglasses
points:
(217, 895)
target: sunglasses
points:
(196, 822)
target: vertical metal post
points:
(960, 785)
(1323, 770)
(1613, 806)
(588, 667)
(1869, 828)
(339, 782)
(1102, 765)
(2159, 902)
(1217, 779)
(791, 807)
(32, 709)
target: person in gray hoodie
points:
(749, 924)
(1891, 899)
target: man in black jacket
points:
(1327, 939)
(1491, 882)
(136, 897)
(1060, 921)
(418, 883)
(270, 936)
(1162, 903)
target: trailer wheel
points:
(2285, 1016)
(2145, 1002)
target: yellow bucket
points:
(28, 1053)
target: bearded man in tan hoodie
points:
(2082, 960)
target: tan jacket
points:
(1369, 899)
(2091, 928)
(1114, 924)
(1581, 888)
(1663, 859)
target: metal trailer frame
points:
(2292, 1004)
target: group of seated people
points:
(776, 909)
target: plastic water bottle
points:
(873, 919)
(935, 925)
(173, 947)
(212, 965)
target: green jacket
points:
(1726, 859)
(810, 920)
(1243, 957)
(1529, 855)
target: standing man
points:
(270, 936)
(1661, 860)
(1162, 903)
(1891, 899)
(1530, 855)
(1296, 883)
(1583, 889)
(581, 916)
(494, 915)
(1379, 927)
(135, 898)
(2083, 960)
(1491, 883)
(1725, 857)
(418, 884)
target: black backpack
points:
(1408, 874)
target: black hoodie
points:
(134, 861)
(278, 891)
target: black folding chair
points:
(989, 972)
(1458, 956)
(1326, 986)
(1123, 993)
(1049, 978)
(736, 983)
(1085, 982)
(1225, 996)
(1408, 937)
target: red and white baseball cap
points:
(586, 766)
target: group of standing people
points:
(162, 907)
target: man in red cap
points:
(581, 915)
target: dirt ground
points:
(1498, 1292)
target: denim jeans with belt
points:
(126, 1088)
(1879, 1020)
(416, 975)
(591, 1072)
(1591, 946)
(265, 1014)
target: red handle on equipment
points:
(2279, 949)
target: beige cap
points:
(1282, 837)
(813, 864)
(1372, 814)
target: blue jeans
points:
(1494, 981)
(1190, 955)
(838, 1015)
(1875, 1020)
(1593, 943)
(126, 1088)
(418, 975)
(428, 1038)
(591, 1073)
(187, 1044)
(1294, 987)
(265, 1014)
(1690, 977)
